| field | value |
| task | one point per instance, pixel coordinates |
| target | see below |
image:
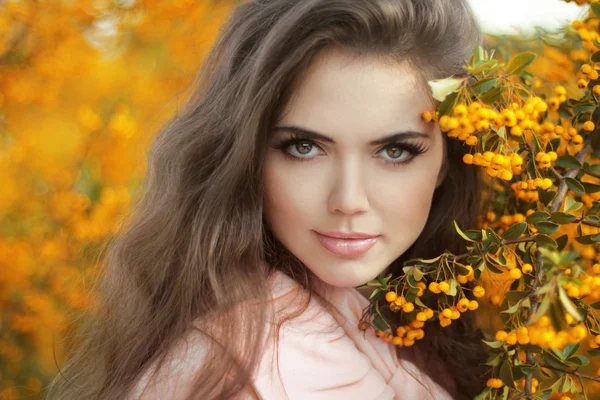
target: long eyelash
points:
(413, 149)
(285, 143)
(293, 139)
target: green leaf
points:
(461, 233)
(418, 274)
(386, 279)
(594, 353)
(495, 344)
(590, 187)
(588, 239)
(568, 304)
(506, 374)
(564, 111)
(547, 228)
(596, 56)
(379, 323)
(515, 231)
(520, 62)
(562, 241)
(446, 106)
(562, 218)
(512, 309)
(493, 269)
(595, 305)
(419, 302)
(492, 95)
(568, 161)
(545, 241)
(483, 395)
(515, 295)
(579, 360)
(374, 293)
(596, 9)
(571, 349)
(592, 218)
(453, 284)
(538, 216)
(571, 204)
(546, 196)
(473, 234)
(483, 85)
(542, 309)
(575, 185)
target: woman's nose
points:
(348, 193)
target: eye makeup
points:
(292, 143)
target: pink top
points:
(322, 356)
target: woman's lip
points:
(352, 235)
(347, 247)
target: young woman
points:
(299, 169)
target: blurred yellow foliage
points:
(83, 85)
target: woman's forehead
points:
(343, 94)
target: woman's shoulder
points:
(311, 355)
(174, 378)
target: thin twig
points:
(572, 372)
(583, 387)
(525, 239)
(590, 223)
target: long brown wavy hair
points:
(196, 248)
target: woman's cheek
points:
(291, 194)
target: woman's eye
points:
(394, 153)
(303, 148)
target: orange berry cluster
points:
(451, 313)
(560, 96)
(466, 120)
(591, 74)
(545, 159)
(405, 335)
(594, 342)
(527, 190)
(466, 278)
(587, 285)
(588, 30)
(522, 119)
(542, 334)
(454, 312)
(516, 273)
(495, 383)
(521, 336)
(508, 220)
(549, 131)
(398, 303)
(497, 165)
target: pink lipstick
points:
(347, 244)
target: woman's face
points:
(346, 190)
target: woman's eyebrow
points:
(309, 134)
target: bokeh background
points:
(84, 87)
